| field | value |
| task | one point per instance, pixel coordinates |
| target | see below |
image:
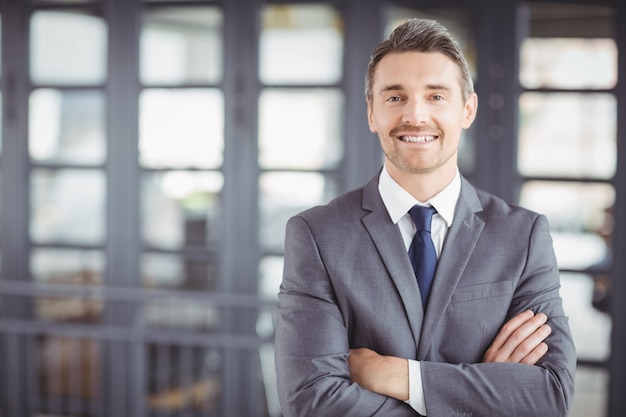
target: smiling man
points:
(418, 109)
(365, 327)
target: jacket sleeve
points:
(312, 341)
(504, 389)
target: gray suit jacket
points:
(348, 283)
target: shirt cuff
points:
(416, 389)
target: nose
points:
(414, 112)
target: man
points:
(359, 332)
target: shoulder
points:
(497, 212)
(490, 205)
(511, 226)
(326, 226)
(345, 206)
(352, 205)
(493, 204)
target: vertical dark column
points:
(241, 391)
(496, 123)
(365, 25)
(15, 190)
(123, 361)
(617, 363)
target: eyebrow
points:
(429, 87)
(439, 87)
(391, 87)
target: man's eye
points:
(394, 98)
(437, 97)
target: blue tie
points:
(422, 251)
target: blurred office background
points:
(152, 151)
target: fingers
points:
(532, 348)
(520, 340)
(509, 327)
(536, 354)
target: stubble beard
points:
(408, 166)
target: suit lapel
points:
(457, 250)
(388, 241)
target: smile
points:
(418, 139)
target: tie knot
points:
(422, 216)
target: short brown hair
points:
(421, 35)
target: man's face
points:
(418, 111)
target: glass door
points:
(567, 160)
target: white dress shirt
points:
(398, 203)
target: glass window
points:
(270, 273)
(300, 44)
(592, 387)
(184, 380)
(580, 217)
(572, 136)
(569, 46)
(284, 142)
(67, 126)
(181, 208)
(181, 128)
(181, 45)
(68, 48)
(181, 313)
(270, 277)
(67, 206)
(64, 370)
(175, 272)
(548, 63)
(171, 271)
(568, 135)
(591, 328)
(284, 194)
(68, 266)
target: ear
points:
(469, 112)
(370, 117)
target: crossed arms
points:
(521, 340)
(324, 322)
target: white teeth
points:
(415, 139)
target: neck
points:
(423, 186)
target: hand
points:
(520, 340)
(386, 375)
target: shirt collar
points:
(398, 201)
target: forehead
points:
(413, 69)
